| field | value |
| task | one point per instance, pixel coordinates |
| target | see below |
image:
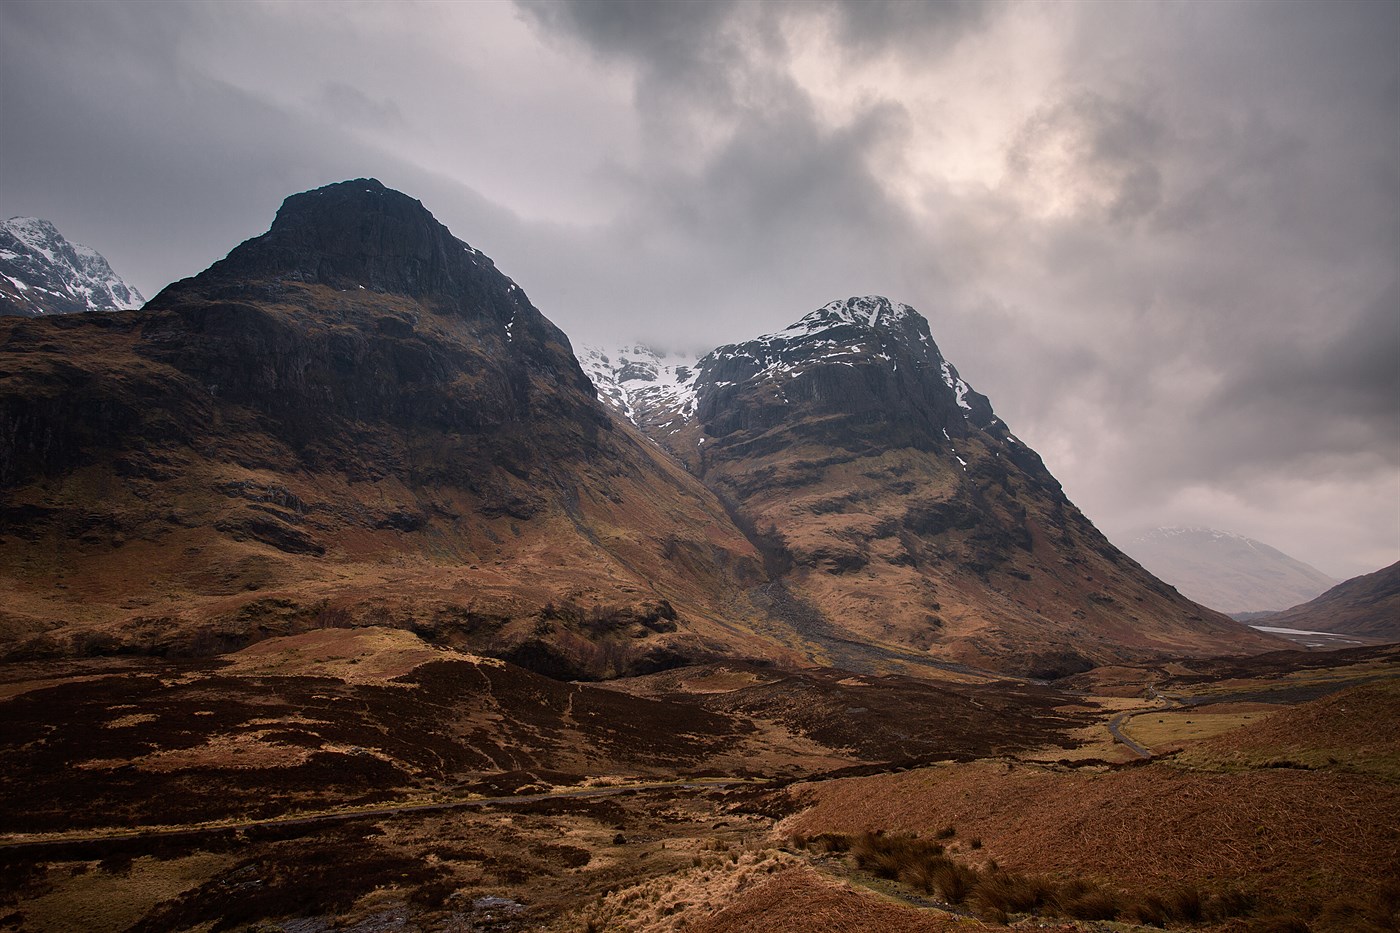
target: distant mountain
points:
(895, 510)
(1227, 572)
(1368, 605)
(42, 273)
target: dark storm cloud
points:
(1337, 396)
(877, 27)
(762, 188)
(133, 142)
(132, 150)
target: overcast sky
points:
(1161, 237)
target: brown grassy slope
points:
(801, 899)
(331, 718)
(1240, 809)
(1288, 833)
(1352, 730)
(877, 718)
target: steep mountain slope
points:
(896, 510)
(1225, 571)
(1368, 605)
(42, 273)
(352, 418)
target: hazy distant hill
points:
(1225, 571)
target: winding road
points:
(1114, 728)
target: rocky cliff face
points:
(354, 417)
(450, 345)
(42, 273)
(895, 508)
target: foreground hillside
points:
(367, 780)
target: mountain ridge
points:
(1368, 605)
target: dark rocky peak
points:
(358, 304)
(357, 233)
(871, 312)
(360, 234)
(868, 358)
(841, 329)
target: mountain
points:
(42, 273)
(1228, 572)
(354, 418)
(1368, 605)
(895, 511)
(357, 419)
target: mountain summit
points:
(42, 273)
(848, 359)
(360, 234)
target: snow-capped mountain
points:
(834, 492)
(658, 391)
(653, 389)
(42, 273)
(853, 333)
(1225, 571)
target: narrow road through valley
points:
(1115, 729)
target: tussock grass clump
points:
(822, 842)
(1083, 901)
(995, 894)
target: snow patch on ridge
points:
(954, 382)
